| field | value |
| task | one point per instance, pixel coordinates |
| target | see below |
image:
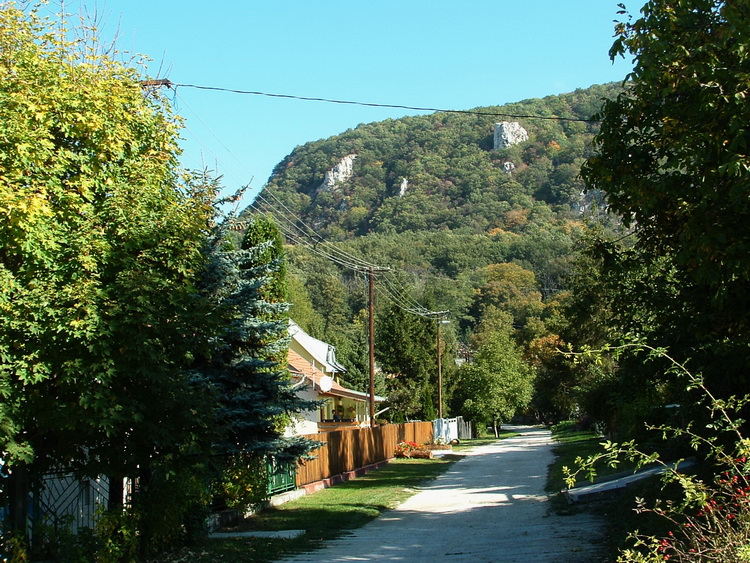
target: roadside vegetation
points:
(598, 269)
(331, 512)
(575, 443)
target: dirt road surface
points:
(489, 507)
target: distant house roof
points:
(324, 353)
(301, 369)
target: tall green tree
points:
(672, 159)
(405, 350)
(497, 383)
(245, 366)
(100, 244)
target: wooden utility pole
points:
(440, 371)
(439, 319)
(371, 300)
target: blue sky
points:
(437, 53)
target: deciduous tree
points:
(100, 243)
(497, 383)
(672, 159)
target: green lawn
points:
(323, 515)
(571, 444)
(329, 513)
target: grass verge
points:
(329, 513)
(618, 511)
(572, 444)
(324, 515)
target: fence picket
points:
(351, 449)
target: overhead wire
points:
(398, 296)
(403, 294)
(381, 105)
(304, 231)
(204, 146)
(299, 232)
(300, 239)
(391, 288)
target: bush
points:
(711, 520)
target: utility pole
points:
(371, 300)
(440, 372)
(439, 320)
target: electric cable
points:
(379, 105)
(295, 230)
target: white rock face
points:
(404, 187)
(509, 133)
(587, 201)
(509, 167)
(339, 174)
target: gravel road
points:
(490, 507)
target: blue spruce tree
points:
(246, 367)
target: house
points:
(314, 370)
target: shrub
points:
(711, 522)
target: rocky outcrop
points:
(339, 174)
(509, 133)
(404, 186)
(587, 201)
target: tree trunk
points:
(114, 501)
(18, 497)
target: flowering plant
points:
(403, 448)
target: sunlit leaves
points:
(100, 241)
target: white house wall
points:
(305, 422)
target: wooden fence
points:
(348, 450)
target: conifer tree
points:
(246, 368)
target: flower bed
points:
(412, 449)
(403, 449)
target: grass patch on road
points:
(483, 441)
(572, 443)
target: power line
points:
(379, 105)
(299, 232)
(308, 236)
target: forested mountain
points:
(469, 226)
(441, 171)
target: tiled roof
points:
(299, 368)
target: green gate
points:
(281, 476)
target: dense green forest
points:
(490, 234)
(452, 178)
